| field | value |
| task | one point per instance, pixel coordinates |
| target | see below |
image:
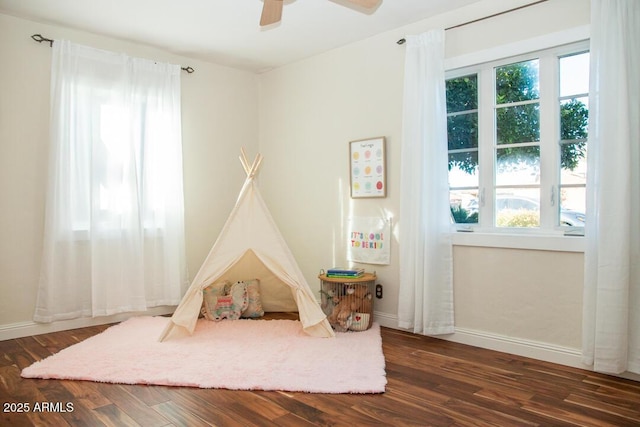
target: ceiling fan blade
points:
(271, 12)
(365, 3)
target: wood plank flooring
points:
(431, 382)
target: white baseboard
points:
(385, 319)
(521, 347)
(24, 329)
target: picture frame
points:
(367, 168)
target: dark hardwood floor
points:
(431, 382)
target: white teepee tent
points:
(250, 246)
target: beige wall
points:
(310, 110)
(220, 114)
(528, 294)
(301, 117)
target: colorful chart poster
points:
(367, 167)
(369, 240)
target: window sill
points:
(83, 234)
(556, 243)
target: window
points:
(574, 111)
(129, 158)
(462, 130)
(114, 226)
(517, 137)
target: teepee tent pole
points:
(244, 161)
(256, 165)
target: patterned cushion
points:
(210, 296)
(254, 306)
(231, 306)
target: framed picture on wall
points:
(367, 168)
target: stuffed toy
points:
(353, 300)
(210, 296)
(229, 306)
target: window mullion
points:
(549, 135)
(486, 142)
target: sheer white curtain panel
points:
(611, 332)
(426, 267)
(114, 222)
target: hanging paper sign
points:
(369, 240)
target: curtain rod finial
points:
(40, 39)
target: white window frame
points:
(547, 236)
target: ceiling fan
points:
(272, 9)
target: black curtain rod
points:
(402, 41)
(39, 38)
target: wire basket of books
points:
(347, 298)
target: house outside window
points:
(517, 138)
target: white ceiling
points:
(227, 32)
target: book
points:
(338, 276)
(345, 272)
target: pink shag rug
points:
(233, 354)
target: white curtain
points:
(611, 332)
(426, 278)
(114, 225)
